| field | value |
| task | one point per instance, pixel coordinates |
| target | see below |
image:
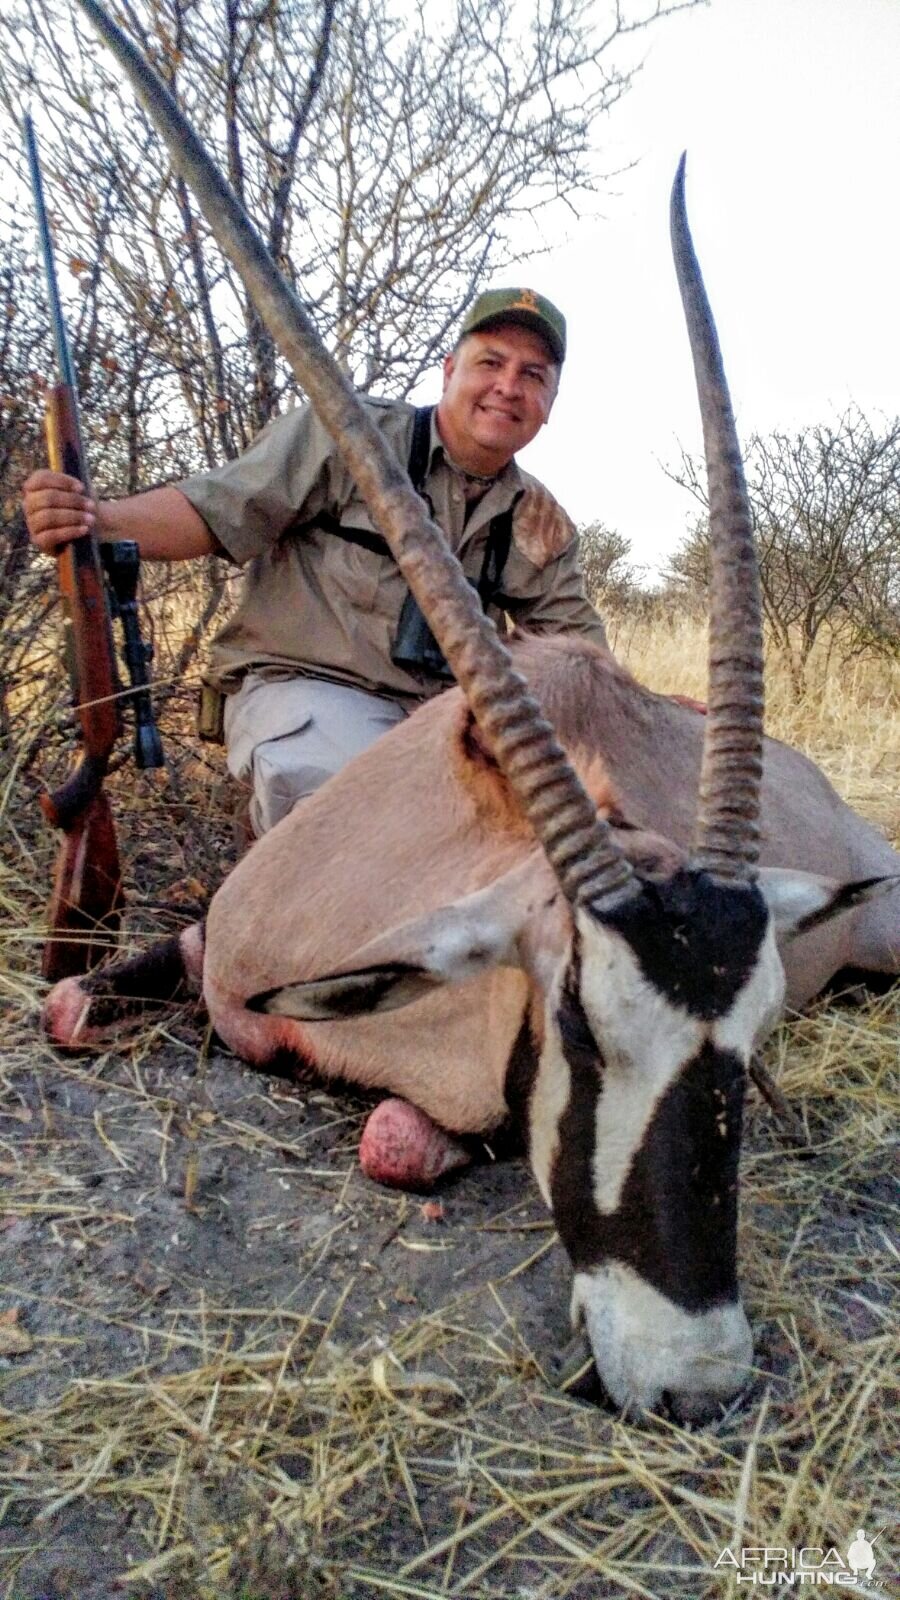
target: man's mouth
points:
(500, 411)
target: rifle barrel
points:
(64, 363)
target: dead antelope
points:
(492, 912)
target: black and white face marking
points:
(698, 943)
(669, 1209)
(636, 1124)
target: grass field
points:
(229, 1368)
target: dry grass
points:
(850, 724)
(266, 1447)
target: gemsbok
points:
(524, 905)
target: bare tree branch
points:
(826, 504)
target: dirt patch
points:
(244, 1370)
(164, 1217)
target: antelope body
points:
(476, 992)
(424, 819)
(461, 916)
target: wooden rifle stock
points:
(87, 892)
(86, 900)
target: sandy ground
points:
(176, 1220)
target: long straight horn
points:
(578, 844)
(726, 842)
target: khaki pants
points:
(286, 738)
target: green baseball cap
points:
(524, 306)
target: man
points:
(326, 649)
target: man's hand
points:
(162, 522)
(56, 510)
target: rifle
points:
(98, 581)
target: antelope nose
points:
(696, 1409)
(716, 1376)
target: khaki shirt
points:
(315, 605)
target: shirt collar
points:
(510, 477)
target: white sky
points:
(790, 113)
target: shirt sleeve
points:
(562, 606)
(248, 503)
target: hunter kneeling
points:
(328, 649)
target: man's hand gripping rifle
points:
(97, 581)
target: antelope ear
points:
(494, 927)
(799, 901)
(384, 987)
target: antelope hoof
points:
(403, 1148)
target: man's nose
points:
(508, 381)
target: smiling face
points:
(499, 388)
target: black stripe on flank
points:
(696, 941)
(293, 1064)
(855, 984)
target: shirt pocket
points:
(520, 579)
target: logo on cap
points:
(519, 305)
